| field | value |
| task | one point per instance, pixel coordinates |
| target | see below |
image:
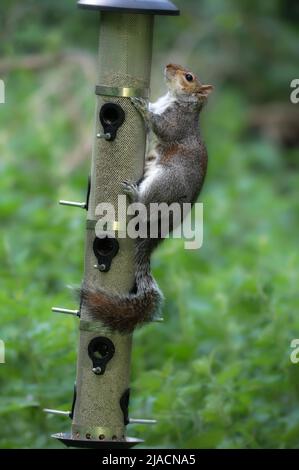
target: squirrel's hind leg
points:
(131, 190)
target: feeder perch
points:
(101, 400)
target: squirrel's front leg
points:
(142, 107)
(155, 122)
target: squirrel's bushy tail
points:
(124, 313)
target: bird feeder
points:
(101, 397)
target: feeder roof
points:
(146, 7)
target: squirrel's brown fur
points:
(124, 313)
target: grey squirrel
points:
(176, 173)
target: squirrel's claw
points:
(139, 103)
(130, 189)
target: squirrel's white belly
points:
(160, 106)
(153, 173)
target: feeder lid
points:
(146, 7)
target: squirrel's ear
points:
(206, 89)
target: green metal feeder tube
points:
(100, 409)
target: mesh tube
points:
(125, 50)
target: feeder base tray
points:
(66, 439)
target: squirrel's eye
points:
(189, 77)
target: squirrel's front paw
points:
(130, 189)
(140, 104)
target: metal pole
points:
(100, 408)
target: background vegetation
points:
(217, 373)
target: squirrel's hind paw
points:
(130, 189)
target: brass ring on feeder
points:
(93, 326)
(123, 92)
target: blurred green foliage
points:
(217, 373)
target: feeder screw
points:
(82, 205)
(142, 421)
(101, 267)
(106, 136)
(56, 412)
(97, 370)
(76, 313)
